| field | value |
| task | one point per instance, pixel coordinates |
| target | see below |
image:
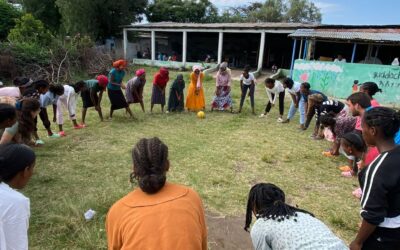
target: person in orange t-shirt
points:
(158, 214)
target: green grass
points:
(221, 157)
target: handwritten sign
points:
(336, 79)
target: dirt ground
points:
(227, 233)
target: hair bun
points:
(152, 183)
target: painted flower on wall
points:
(304, 77)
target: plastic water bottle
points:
(89, 214)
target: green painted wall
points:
(336, 79)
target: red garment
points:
(161, 78)
(120, 63)
(103, 80)
(371, 155)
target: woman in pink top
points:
(222, 99)
(369, 88)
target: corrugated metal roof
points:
(169, 25)
(391, 36)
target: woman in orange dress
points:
(195, 97)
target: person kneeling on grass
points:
(380, 201)
(68, 100)
(22, 131)
(274, 89)
(281, 226)
(16, 168)
(174, 212)
(90, 97)
(47, 99)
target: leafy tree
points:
(44, 10)
(302, 11)
(182, 11)
(29, 30)
(99, 18)
(8, 14)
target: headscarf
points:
(162, 77)
(197, 67)
(140, 72)
(120, 63)
(223, 65)
(103, 80)
(176, 84)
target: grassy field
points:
(221, 157)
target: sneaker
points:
(345, 168)
(280, 120)
(54, 136)
(262, 115)
(347, 174)
(286, 121)
(62, 133)
(78, 127)
(39, 142)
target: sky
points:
(378, 12)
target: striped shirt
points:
(380, 202)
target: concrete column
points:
(184, 48)
(293, 55)
(261, 54)
(125, 42)
(153, 45)
(220, 44)
(301, 48)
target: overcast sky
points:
(344, 11)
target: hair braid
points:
(386, 119)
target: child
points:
(307, 109)
(294, 91)
(353, 144)
(222, 99)
(23, 129)
(16, 168)
(134, 88)
(380, 201)
(281, 226)
(68, 100)
(176, 98)
(371, 88)
(90, 97)
(50, 98)
(274, 89)
(8, 116)
(354, 88)
(247, 82)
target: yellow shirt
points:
(173, 218)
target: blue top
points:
(397, 138)
(118, 76)
(305, 97)
(47, 99)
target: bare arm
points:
(364, 232)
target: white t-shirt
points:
(247, 81)
(14, 219)
(340, 61)
(295, 89)
(278, 88)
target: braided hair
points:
(387, 120)
(14, 158)
(354, 139)
(150, 163)
(268, 201)
(370, 88)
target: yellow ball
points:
(201, 115)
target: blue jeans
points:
(293, 109)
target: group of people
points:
(359, 129)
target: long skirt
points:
(195, 101)
(86, 100)
(117, 99)
(157, 96)
(222, 100)
(173, 103)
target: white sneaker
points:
(279, 120)
(262, 115)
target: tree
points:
(30, 30)
(99, 18)
(8, 15)
(182, 11)
(302, 11)
(46, 11)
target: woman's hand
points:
(123, 86)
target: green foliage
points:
(46, 11)
(27, 53)
(8, 14)
(274, 11)
(182, 11)
(99, 18)
(30, 31)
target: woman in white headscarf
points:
(222, 99)
(195, 97)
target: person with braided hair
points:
(371, 88)
(380, 201)
(174, 212)
(281, 226)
